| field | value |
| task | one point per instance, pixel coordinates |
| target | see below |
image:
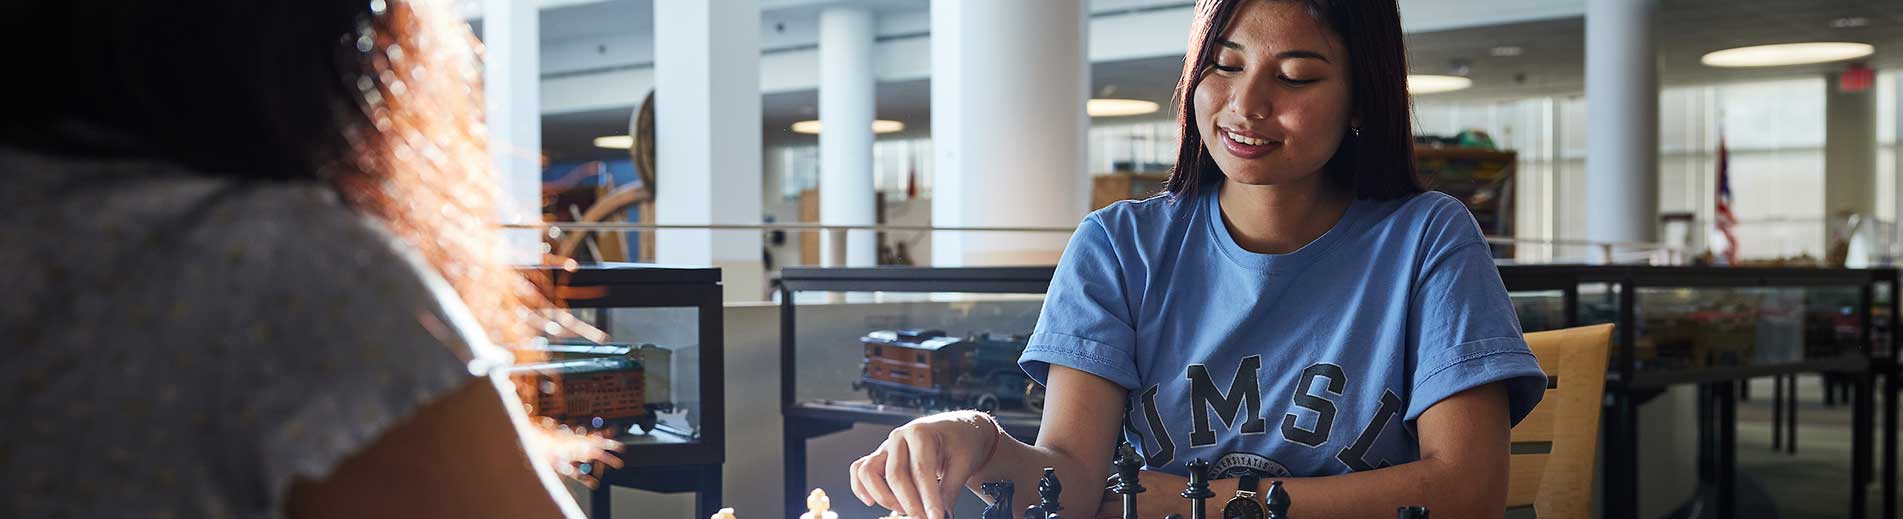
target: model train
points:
(597, 386)
(927, 369)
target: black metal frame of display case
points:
(667, 467)
(807, 420)
(1626, 385)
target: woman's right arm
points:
(921, 465)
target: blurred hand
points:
(581, 457)
(922, 465)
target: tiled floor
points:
(1814, 482)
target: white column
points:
(707, 137)
(1009, 81)
(512, 91)
(1622, 193)
(1622, 138)
(845, 138)
(1850, 150)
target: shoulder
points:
(361, 290)
(1132, 222)
(1434, 218)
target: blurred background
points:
(758, 135)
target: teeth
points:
(1246, 140)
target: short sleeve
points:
(1463, 333)
(1086, 323)
(347, 339)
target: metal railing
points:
(1601, 251)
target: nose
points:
(1253, 98)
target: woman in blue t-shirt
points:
(1295, 307)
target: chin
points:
(1257, 177)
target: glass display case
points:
(1715, 328)
(889, 344)
(636, 353)
(893, 344)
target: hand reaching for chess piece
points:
(922, 466)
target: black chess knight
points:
(1048, 490)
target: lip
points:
(1245, 151)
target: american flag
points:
(1726, 220)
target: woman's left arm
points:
(1462, 471)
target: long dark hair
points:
(379, 100)
(1378, 164)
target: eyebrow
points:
(1282, 55)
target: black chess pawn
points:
(1129, 465)
(1277, 501)
(1198, 490)
(1048, 490)
(1000, 493)
(1411, 512)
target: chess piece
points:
(1129, 465)
(1198, 490)
(818, 506)
(1000, 493)
(1048, 490)
(724, 513)
(1411, 512)
(894, 515)
(1278, 501)
(1033, 512)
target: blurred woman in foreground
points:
(252, 269)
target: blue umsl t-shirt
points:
(1311, 363)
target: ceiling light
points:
(811, 127)
(1505, 51)
(1787, 54)
(1418, 84)
(615, 142)
(1105, 107)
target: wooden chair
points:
(1555, 446)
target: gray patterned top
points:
(182, 346)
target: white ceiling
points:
(1552, 62)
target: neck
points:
(1279, 219)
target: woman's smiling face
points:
(1273, 103)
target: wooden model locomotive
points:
(928, 370)
(597, 386)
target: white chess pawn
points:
(724, 513)
(818, 506)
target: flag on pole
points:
(1726, 220)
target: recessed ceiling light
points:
(1418, 84)
(1845, 23)
(811, 127)
(615, 142)
(1118, 107)
(1505, 51)
(1787, 54)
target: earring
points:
(1356, 132)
